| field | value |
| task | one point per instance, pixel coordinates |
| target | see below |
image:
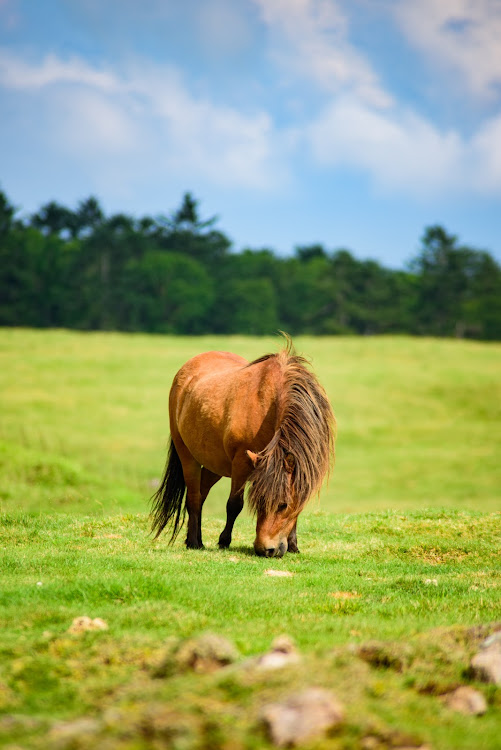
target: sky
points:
(350, 123)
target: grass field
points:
(403, 547)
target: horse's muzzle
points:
(271, 551)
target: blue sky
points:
(353, 123)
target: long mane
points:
(306, 428)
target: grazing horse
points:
(267, 423)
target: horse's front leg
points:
(292, 539)
(233, 507)
(239, 474)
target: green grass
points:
(84, 419)
(402, 548)
(360, 577)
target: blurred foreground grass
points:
(417, 592)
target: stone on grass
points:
(10, 723)
(302, 716)
(206, 653)
(387, 655)
(66, 734)
(466, 700)
(283, 652)
(486, 665)
(392, 739)
(493, 641)
(84, 624)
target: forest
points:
(179, 274)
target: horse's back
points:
(210, 363)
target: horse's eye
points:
(282, 507)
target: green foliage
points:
(81, 269)
(165, 293)
(459, 288)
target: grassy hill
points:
(396, 587)
(84, 419)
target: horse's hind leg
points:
(198, 486)
(192, 473)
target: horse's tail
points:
(167, 502)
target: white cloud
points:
(16, 73)
(486, 156)
(398, 150)
(147, 114)
(402, 151)
(90, 123)
(194, 133)
(313, 38)
(464, 35)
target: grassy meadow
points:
(402, 548)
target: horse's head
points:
(277, 516)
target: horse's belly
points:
(208, 450)
(202, 432)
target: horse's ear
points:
(290, 462)
(253, 457)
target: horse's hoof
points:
(194, 546)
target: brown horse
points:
(267, 423)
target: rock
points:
(302, 716)
(15, 722)
(386, 655)
(486, 665)
(483, 632)
(283, 653)
(466, 700)
(84, 624)
(152, 725)
(284, 644)
(66, 734)
(206, 653)
(492, 642)
(392, 739)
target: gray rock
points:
(283, 653)
(302, 716)
(492, 642)
(466, 700)
(206, 653)
(486, 665)
(64, 734)
(14, 722)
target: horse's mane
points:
(306, 429)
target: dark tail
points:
(167, 502)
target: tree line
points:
(78, 268)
